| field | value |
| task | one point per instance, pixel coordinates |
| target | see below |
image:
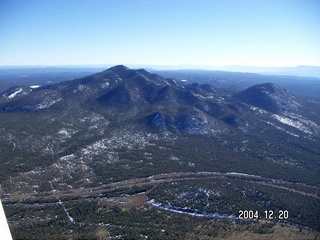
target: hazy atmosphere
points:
(188, 34)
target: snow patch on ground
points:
(47, 103)
(282, 129)
(282, 100)
(258, 109)
(298, 122)
(189, 211)
(67, 213)
(64, 133)
(16, 93)
(104, 85)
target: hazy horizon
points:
(298, 71)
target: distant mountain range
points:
(300, 71)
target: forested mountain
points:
(123, 124)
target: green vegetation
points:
(229, 196)
(96, 220)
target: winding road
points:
(126, 185)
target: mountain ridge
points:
(148, 94)
(94, 126)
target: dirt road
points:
(149, 182)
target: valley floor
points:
(119, 211)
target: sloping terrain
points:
(123, 124)
(304, 87)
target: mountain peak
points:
(119, 68)
(121, 71)
(269, 97)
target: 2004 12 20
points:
(267, 214)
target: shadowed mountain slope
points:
(269, 97)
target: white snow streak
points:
(298, 122)
(15, 93)
(68, 215)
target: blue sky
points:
(190, 33)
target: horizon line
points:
(186, 66)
